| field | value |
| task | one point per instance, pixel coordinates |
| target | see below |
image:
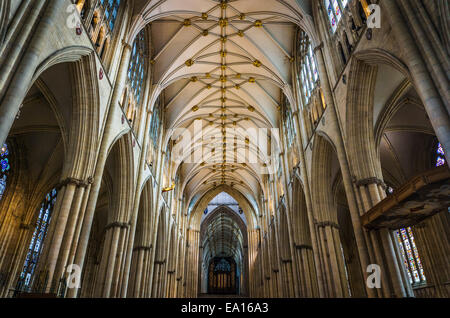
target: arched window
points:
(222, 266)
(309, 75)
(156, 122)
(410, 256)
(4, 168)
(440, 158)
(136, 70)
(334, 10)
(35, 247)
(288, 124)
(111, 8)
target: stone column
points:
(55, 244)
(70, 232)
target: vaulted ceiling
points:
(222, 66)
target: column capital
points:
(303, 247)
(117, 224)
(142, 248)
(371, 180)
(328, 223)
(126, 45)
(77, 182)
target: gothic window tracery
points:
(100, 20)
(309, 75)
(222, 266)
(410, 256)
(111, 8)
(5, 167)
(154, 131)
(135, 79)
(39, 234)
(334, 11)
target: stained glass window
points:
(136, 70)
(37, 240)
(223, 198)
(410, 256)
(334, 11)
(309, 75)
(222, 266)
(111, 8)
(4, 168)
(440, 159)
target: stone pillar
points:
(55, 244)
(392, 283)
(71, 234)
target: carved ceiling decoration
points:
(223, 65)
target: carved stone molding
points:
(328, 223)
(117, 224)
(372, 180)
(142, 248)
(77, 182)
(303, 247)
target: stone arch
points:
(199, 207)
(242, 263)
(360, 109)
(142, 246)
(352, 263)
(325, 165)
(44, 136)
(111, 213)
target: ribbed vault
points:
(222, 66)
(222, 235)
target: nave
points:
(224, 148)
